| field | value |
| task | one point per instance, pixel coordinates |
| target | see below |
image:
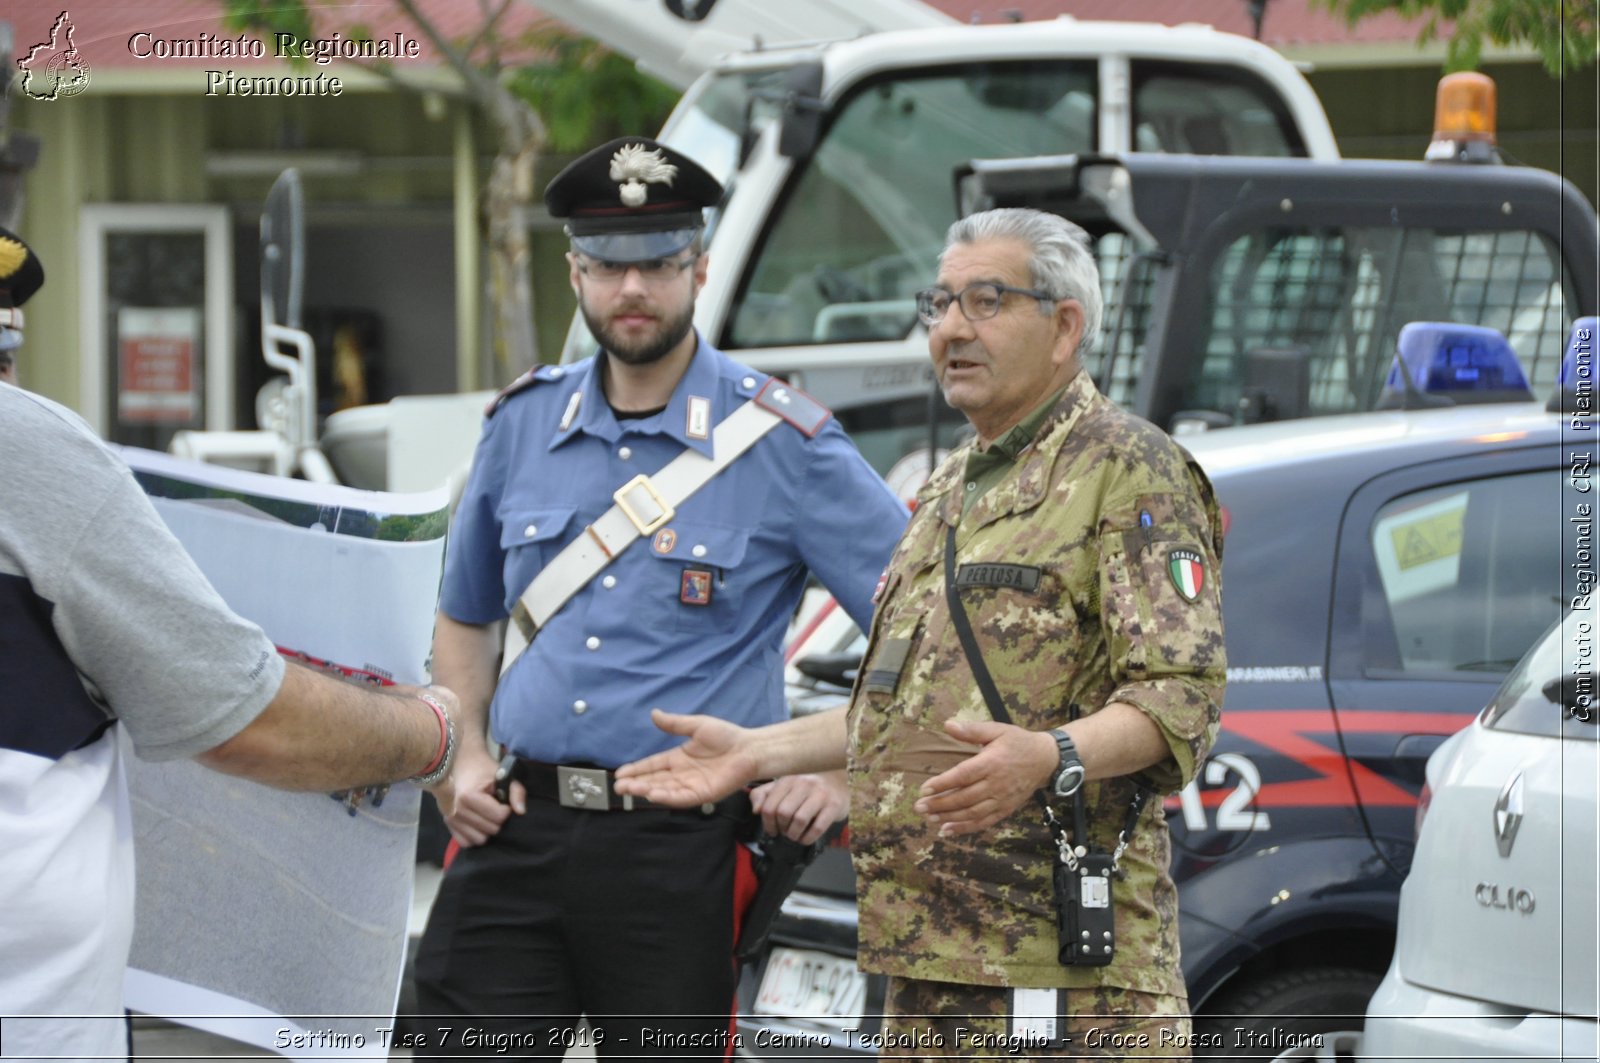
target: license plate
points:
(812, 985)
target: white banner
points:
(274, 918)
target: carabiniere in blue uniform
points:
(656, 556)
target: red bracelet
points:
(444, 734)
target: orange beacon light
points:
(1463, 120)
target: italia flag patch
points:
(1188, 572)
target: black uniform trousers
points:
(628, 917)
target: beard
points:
(643, 350)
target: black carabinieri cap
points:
(632, 200)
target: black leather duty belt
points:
(590, 789)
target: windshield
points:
(860, 225)
(859, 231)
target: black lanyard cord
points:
(997, 708)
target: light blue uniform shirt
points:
(629, 642)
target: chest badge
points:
(695, 587)
(698, 418)
(1188, 571)
(572, 410)
(665, 540)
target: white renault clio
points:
(1497, 950)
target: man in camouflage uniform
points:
(1086, 550)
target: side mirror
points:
(283, 250)
(1574, 692)
(801, 124)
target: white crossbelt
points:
(644, 505)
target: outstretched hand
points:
(992, 783)
(712, 764)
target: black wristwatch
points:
(1069, 776)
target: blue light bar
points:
(1442, 363)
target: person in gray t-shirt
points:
(105, 621)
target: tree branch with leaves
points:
(1562, 31)
(560, 91)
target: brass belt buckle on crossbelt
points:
(637, 495)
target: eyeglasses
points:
(979, 301)
(651, 270)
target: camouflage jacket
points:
(1077, 599)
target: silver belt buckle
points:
(584, 788)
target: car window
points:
(1222, 111)
(1342, 293)
(1552, 691)
(1458, 579)
(859, 231)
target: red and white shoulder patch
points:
(537, 375)
(793, 405)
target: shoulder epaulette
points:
(539, 374)
(793, 405)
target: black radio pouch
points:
(1083, 902)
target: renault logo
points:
(1508, 814)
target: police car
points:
(1383, 572)
(1497, 945)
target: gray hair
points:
(1062, 261)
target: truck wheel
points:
(1266, 1015)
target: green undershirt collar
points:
(987, 466)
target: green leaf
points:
(266, 18)
(1563, 32)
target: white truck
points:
(839, 156)
(836, 134)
